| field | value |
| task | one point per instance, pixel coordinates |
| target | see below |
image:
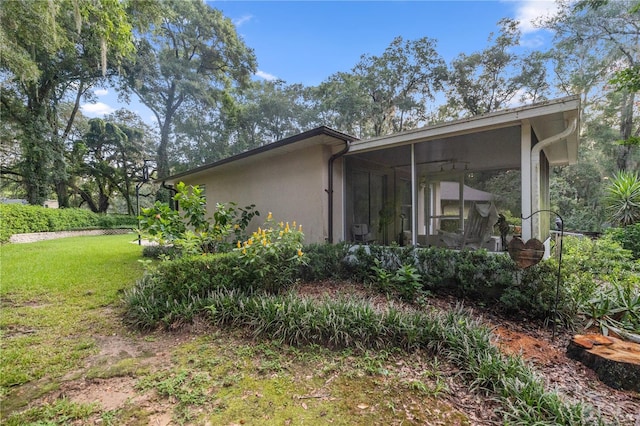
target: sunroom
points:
(447, 185)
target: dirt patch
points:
(110, 377)
(537, 345)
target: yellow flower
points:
(239, 245)
(244, 251)
(264, 242)
(300, 228)
(281, 224)
(236, 226)
(294, 224)
(300, 253)
(250, 241)
(269, 216)
(281, 234)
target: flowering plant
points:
(189, 228)
(271, 256)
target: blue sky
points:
(307, 41)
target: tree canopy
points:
(185, 61)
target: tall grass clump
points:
(353, 323)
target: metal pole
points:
(138, 211)
(555, 306)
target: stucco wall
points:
(291, 186)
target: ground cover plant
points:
(410, 275)
(271, 355)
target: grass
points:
(51, 293)
(225, 378)
(52, 314)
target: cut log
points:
(615, 361)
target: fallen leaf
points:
(363, 406)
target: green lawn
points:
(50, 294)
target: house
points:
(396, 185)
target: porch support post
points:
(525, 177)
(461, 204)
(414, 197)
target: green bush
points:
(324, 261)
(157, 251)
(173, 292)
(485, 278)
(189, 229)
(271, 257)
(622, 198)
(628, 237)
(20, 219)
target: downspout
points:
(333, 158)
(535, 166)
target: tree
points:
(269, 111)
(109, 159)
(386, 93)
(54, 52)
(602, 38)
(192, 57)
(489, 80)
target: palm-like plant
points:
(623, 198)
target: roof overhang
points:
(494, 138)
(319, 136)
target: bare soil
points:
(153, 352)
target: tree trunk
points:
(36, 164)
(615, 361)
(623, 160)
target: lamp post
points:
(144, 179)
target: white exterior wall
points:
(292, 186)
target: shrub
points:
(156, 251)
(189, 229)
(324, 261)
(628, 237)
(623, 198)
(173, 292)
(271, 257)
(19, 219)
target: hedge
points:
(20, 219)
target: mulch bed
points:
(546, 354)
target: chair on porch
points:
(361, 233)
(477, 228)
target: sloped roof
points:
(322, 135)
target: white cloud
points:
(101, 92)
(532, 41)
(528, 11)
(96, 110)
(266, 75)
(243, 19)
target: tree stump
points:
(615, 361)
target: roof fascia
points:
(495, 120)
(318, 131)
